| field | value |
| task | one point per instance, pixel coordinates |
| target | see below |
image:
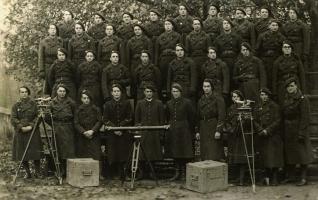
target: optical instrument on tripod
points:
(138, 132)
(44, 111)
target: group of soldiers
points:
(180, 71)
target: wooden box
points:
(207, 176)
(82, 172)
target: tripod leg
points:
(126, 164)
(134, 162)
(26, 149)
(150, 165)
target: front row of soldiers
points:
(281, 133)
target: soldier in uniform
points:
(261, 24)
(249, 73)
(244, 28)
(211, 115)
(118, 112)
(108, 44)
(88, 77)
(297, 146)
(216, 70)
(213, 24)
(269, 45)
(286, 66)
(97, 30)
(66, 27)
(183, 22)
(270, 144)
(23, 117)
(115, 73)
(145, 74)
(78, 44)
(165, 51)
(181, 118)
(154, 28)
(182, 70)
(62, 71)
(47, 54)
(135, 45)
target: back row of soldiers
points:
(211, 49)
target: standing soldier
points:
(154, 28)
(78, 44)
(108, 44)
(118, 112)
(145, 74)
(286, 66)
(213, 24)
(269, 45)
(267, 122)
(211, 116)
(249, 74)
(97, 30)
(135, 45)
(261, 24)
(115, 73)
(23, 117)
(244, 28)
(66, 27)
(47, 54)
(183, 22)
(216, 70)
(181, 118)
(182, 70)
(297, 146)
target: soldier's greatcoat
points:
(77, 46)
(183, 26)
(153, 30)
(66, 31)
(106, 46)
(213, 27)
(245, 29)
(97, 32)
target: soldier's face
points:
(126, 18)
(292, 88)
(213, 11)
(207, 89)
(264, 97)
(67, 16)
(196, 25)
(85, 99)
(89, 57)
(287, 50)
(153, 16)
(182, 10)
(23, 93)
(61, 56)
(239, 14)
(52, 30)
(264, 13)
(292, 14)
(144, 58)
(137, 30)
(78, 29)
(273, 26)
(212, 54)
(226, 25)
(245, 51)
(97, 19)
(175, 93)
(61, 92)
(235, 97)
(114, 58)
(248, 10)
(179, 52)
(109, 30)
(116, 93)
(148, 93)
(168, 26)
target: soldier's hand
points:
(197, 136)
(217, 135)
(119, 133)
(90, 133)
(26, 129)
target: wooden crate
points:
(82, 172)
(207, 176)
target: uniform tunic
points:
(106, 46)
(150, 113)
(267, 117)
(211, 114)
(261, 26)
(213, 27)
(77, 47)
(153, 30)
(46, 56)
(284, 68)
(62, 72)
(114, 74)
(249, 76)
(88, 117)
(24, 113)
(97, 32)
(145, 75)
(296, 122)
(63, 118)
(181, 118)
(245, 29)
(217, 71)
(66, 31)
(118, 113)
(183, 26)
(88, 77)
(125, 32)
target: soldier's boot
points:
(37, 169)
(289, 174)
(27, 169)
(303, 176)
(274, 181)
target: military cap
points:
(81, 24)
(242, 10)
(90, 51)
(150, 87)
(62, 50)
(62, 86)
(239, 93)
(86, 92)
(247, 45)
(180, 45)
(100, 15)
(139, 24)
(177, 86)
(155, 11)
(117, 85)
(290, 80)
(185, 6)
(267, 91)
(228, 20)
(128, 13)
(168, 19)
(215, 6)
(198, 19)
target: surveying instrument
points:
(44, 112)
